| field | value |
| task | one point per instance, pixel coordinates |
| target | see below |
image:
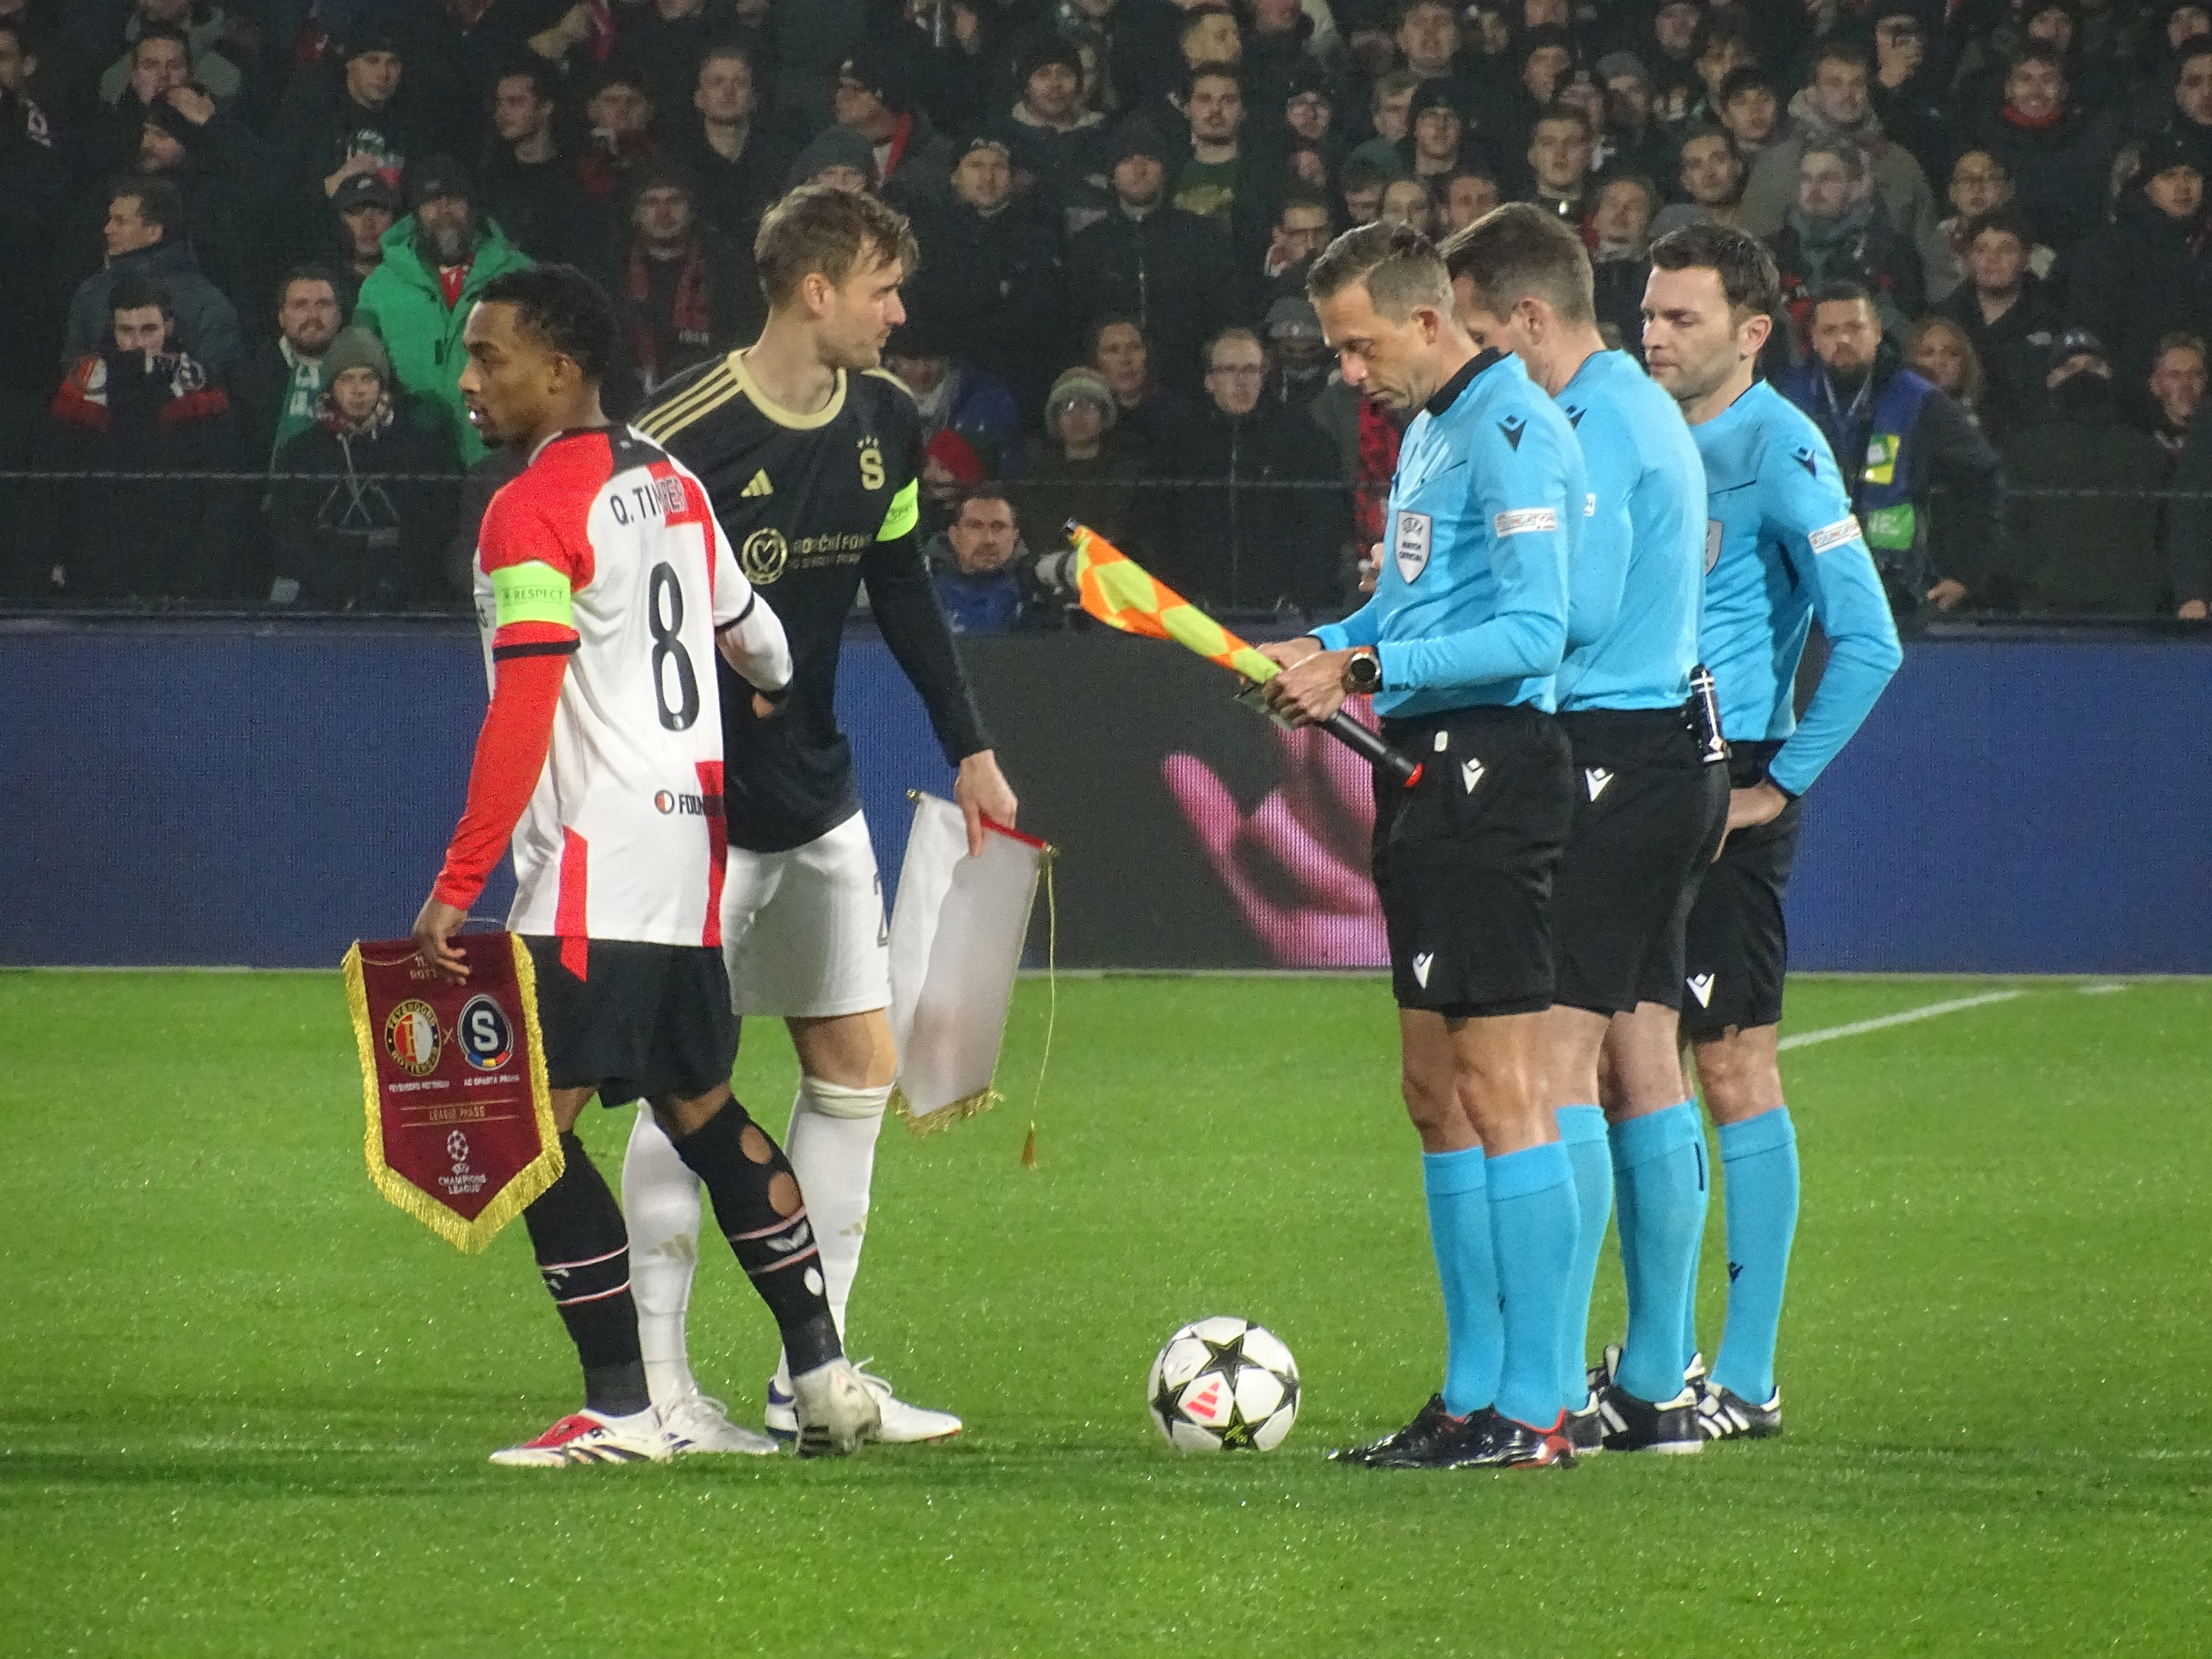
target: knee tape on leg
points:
(836, 1100)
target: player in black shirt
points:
(811, 455)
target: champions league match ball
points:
(1224, 1384)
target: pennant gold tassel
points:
(1051, 1002)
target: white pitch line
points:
(1800, 1039)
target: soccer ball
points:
(1224, 1384)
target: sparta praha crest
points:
(460, 1121)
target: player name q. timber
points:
(654, 498)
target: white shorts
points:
(804, 931)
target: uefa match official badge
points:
(412, 1037)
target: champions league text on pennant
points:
(460, 1119)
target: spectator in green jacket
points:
(436, 261)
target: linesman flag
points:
(1119, 592)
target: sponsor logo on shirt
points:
(766, 555)
(1522, 519)
(1845, 529)
(691, 807)
(763, 556)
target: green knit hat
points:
(356, 348)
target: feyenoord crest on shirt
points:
(1411, 544)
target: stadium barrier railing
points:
(399, 543)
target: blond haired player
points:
(811, 455)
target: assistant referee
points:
(1458, 646)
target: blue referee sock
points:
(1759, 1159)
(1533, 1224)
(1459, 1232)
(1660, 1158)
(1581, 1131)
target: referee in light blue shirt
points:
(1650, 797)
(1459, 647)
(1782, 550)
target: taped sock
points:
(583, 1256)
(1532, 1227)
(761, 1211)
(1660, 1158)
(1459, 1233)
(1758, 1157)
(660, 1202)
(1581, 1131)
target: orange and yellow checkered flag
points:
(1119, 592)
(1122, 593)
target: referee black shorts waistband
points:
(1472, 717)
(1627, 723)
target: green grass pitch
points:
(245, 1405)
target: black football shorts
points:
(1737, 947)
(644, 1022)
(1464, 860)
(1642, 804)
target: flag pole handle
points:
(1362, 742)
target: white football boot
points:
(695, 1422)
(903, 1424)
(587, 1437)
(834, 1411)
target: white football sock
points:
(832, 1148)
(660, 1203)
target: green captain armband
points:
(905, 514)
(533, 593)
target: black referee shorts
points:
(645, 1022)
(1464, 860)
(1643, 805)
(1737, 945)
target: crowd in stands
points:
(238, 240)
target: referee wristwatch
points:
(1362, 674)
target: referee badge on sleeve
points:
(1411, 544)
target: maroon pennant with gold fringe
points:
(460, 1119)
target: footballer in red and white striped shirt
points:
(605, 591)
